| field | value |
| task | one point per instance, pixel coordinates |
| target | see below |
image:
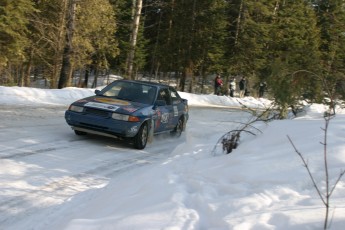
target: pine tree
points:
(188, 38)
(14, 20)
(47, 40)
(124, 11)
(294, 55)
(250, 23)
(331, 21)
(95, 41)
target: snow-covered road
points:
(43, 164)
(53, 179)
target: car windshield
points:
(130, 91)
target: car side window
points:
(165, 96)
(175, 96)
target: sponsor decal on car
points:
(111, 101)
(82, 100)
(130, 109)
(158, 121)
(101, 106)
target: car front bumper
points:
(101, 125)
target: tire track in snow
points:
(32, 202)
(61, 190)
(25, 153)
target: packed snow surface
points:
(53, 179)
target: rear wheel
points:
(178, 129)
(140, 139)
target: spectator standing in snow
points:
(218, 82)
(243, 86)
(232, 87)
(262, 88)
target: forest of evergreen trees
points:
(296, 46)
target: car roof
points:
(147, 83)
(156, 84)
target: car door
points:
(164, 110)
(177, 107)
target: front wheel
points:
(79, 133)
(140, 139)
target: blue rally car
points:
(130, 110)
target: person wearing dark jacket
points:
(243, 86)
(262, 88)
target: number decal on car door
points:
(165, 118)
(175, 111)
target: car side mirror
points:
(97, 92)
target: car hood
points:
(110, 104)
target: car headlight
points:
(122, 117)
(75, 108)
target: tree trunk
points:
(20, 73)
(238, 24)
(27, 69)
(27, 73)
(183, 80)
(60, 41)
(154, 62)
(189, 68)
(66, 68)
(94, 84)
(133, 43)
(86, 77)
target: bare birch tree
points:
(137, 4)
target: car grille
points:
(97, 127)
(97, 112)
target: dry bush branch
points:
(324, 196)
(230, 140)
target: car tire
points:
(178, 129)
(140, 139)
(79, 133)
